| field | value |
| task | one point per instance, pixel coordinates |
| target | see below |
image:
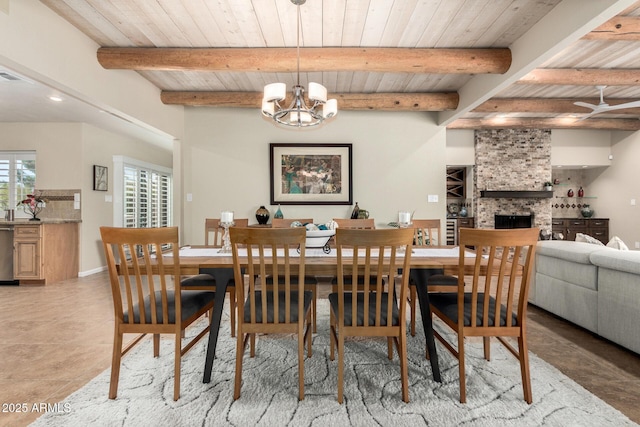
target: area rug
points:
(372, 393)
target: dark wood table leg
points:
(419, 278)
(222, 276)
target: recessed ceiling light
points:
(55, 98)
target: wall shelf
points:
(504, 194)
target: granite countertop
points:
(25, 221)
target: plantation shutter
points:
(147, 197)
(17, 177)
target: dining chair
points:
(147, 293)
(212, 225)
(372, 310)
(281, 308)
(352, 224)
(495, 302)
(286, 222)
(361, 223)
(426, 232)
(310, 282)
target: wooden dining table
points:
(424, 263)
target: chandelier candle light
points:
(298, 114)
(226, 221)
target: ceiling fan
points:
(603, 106)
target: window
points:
(142, 194)
(17, 177)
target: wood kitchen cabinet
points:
(45, 253)
(594, 227)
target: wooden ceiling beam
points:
(346, 101)
(547, 105)
(582, 77)
(617, 28)
(544, 123)
(276, 60)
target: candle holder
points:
(226, 241)
(404, 221)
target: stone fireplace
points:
(514, 164)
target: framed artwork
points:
(311, 174)
(100, 178)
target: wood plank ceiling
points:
(476, 63)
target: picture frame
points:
(100, 178)
(311, 174)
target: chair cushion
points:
(373, 280)
(447, 303)
(308, 280)
(192, 302)
(442, 280)
(281, 306)
(199, 280)
(348, 299)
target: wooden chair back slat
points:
(427, 232)
(212, 225)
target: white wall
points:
(580, 147)
(398, 159)
(460, 147)
(616, 185)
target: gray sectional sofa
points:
(593, 286)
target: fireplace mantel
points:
(516, 194)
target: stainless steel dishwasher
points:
(6, 255)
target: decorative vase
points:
(586, 211)
(262, 215)
(278, 213)
(580, 192)
(463, 211)
(355, 212)
(570, 193)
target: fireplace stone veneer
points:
(516, 163)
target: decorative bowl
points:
(319, 238)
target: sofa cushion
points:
(617, 243)
(627, 261)
(580, 237)
(568, 250)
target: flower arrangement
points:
(32, 205)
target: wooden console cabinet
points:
(594, 227)
(45, 253)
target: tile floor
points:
(55, 338)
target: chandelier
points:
(299, 113)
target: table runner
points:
(188, 251)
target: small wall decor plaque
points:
(100, 178)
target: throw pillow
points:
(580, 237)
(617, 243)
